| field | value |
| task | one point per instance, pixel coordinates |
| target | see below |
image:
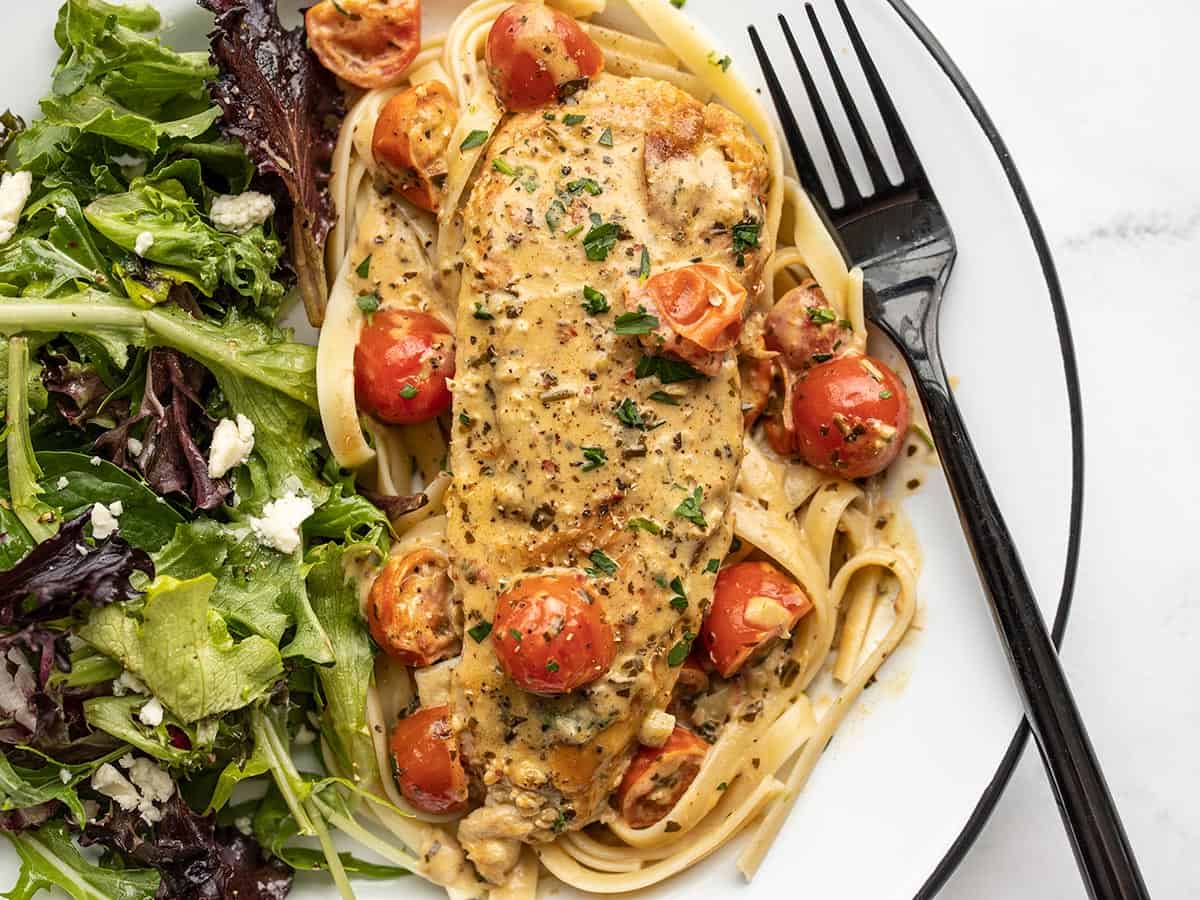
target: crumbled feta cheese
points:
(95, 461)
(62, 483)
(144, 242)
(279, 526)
(151, 715)
(126, 761)
(155, 784)
(14, 194)
(128, 683)
(112, 784)
(82, 549)
(116, 507)
(305, 736)
(134, 446)
(64, 775)
(232, 442)
(656, 728)
(241, 212)
(60, 212)
(242, 824)
(104, 520)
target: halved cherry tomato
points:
(850, 416)
(699, 310)
(428, 766)
(550, 636)
(537, 55)
(370, 43)
(410, 609)
(805, 329)
(401, 365)
(410, 140)
(658, 776)
(753, 603)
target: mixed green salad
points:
(178, 628)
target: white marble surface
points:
(1095, 100)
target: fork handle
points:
(1101, 846)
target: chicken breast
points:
(539, 378)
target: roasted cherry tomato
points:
(537, 55)
(699, 311)
(550, 636)
(753, 603)
(658, 776)
(410, 609)
(849, 416)
(428, 767)
(411, 136)
(370, 43)
(805, 329)
(401, 365)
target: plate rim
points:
(986, 804)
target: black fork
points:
(902, 240)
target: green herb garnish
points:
(745, 237)
(476, 138)
(668, 370)
(408, 391)
(690, 508)
(713, 565)
(603, 565)
(574, 231)
(465, 420)
(721, 62)
(554, 215)
(368, 303)
(595, 457)
(481, 312)
(644, 268)
(600, 239)
(551, 666)
(821, 315)
(681, 650)
(640, 322)
(679, 603)
(627, 414)
(664, 397)
(573, 119)
(364, 268)
(644, 525)
(480, 631)
(503, 167)
(585, 184)
(516, 635)
(594, 302)
(606, 138)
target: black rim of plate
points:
(991, 795)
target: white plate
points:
(905, 784)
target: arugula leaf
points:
(180, 647)
(38, 518)
(22, 788)
(50, 859)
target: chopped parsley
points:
(481, 312)
(585, 184)
(594, 302)
(821, 315)
(644, 525)
(364, 268)
(594, 458)
(713, 565)
(664, 397)
(627, 414)
(640, 322)
(885, 395)
(679, 603)
(476, 138)
(690, 508)
(678, 4)
(745, 237)
(668, 370)
(530, 183)
(721, 62)
(600, 239)
(465, 420)
(554, 215)
(606, 138)
(502, 166)
(822, 357)
(681, 650)
(677, 586)
(368, 303)
(571, 88)
(574, 231)
(644, 268)
(408, 391)
(516, 635)
(479, 632)
(573, 119)
(549, 116)
(551, 666)
(603, 565)
(724, 785)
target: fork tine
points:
(905, 154)
(874, 167)
(805, 167)
(841, 168)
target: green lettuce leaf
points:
(258, 590)
(118, 716)
(180, 647)
(184, 241)
(344, 684)
(49, 859)
(39, 519)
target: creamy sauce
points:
(538, 379)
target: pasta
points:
(845, 542)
